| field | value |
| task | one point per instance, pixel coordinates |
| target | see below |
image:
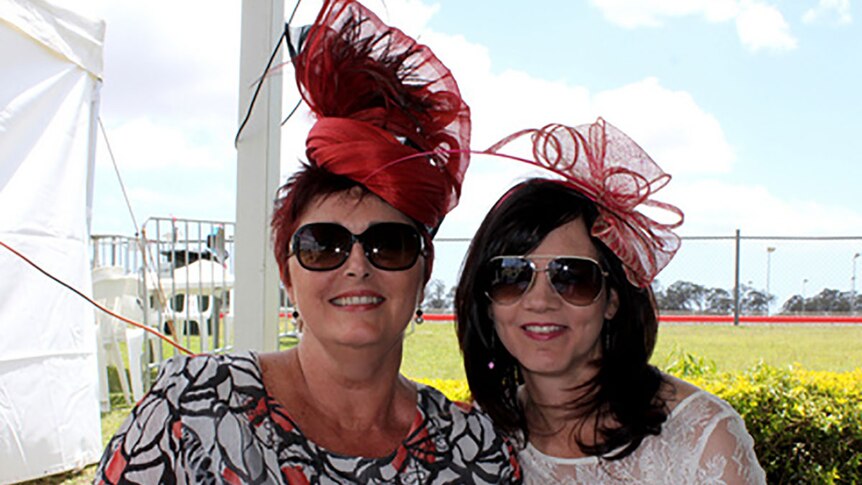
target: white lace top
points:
(703, 441)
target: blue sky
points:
(793, 101)
(753, 106)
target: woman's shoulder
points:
(209, 376)
(713, 433)
(698, 415)
(684, 398)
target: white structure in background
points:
(194, 288)
(51, 60)
(119, 292)
(258, 172)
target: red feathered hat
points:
(389, 113)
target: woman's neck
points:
(550, 404)
(347, 403)
(357, 386)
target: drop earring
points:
(297, 322)
(491, 349)
(419, 316)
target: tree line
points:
(688, 297)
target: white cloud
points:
(837, 9)
(651, 13)
(669, 125)
(714, 207)
(179, 58)
(759, 26)
(148, 144)
(763, 27)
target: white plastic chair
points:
(118, 292)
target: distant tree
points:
(658, 293)
(827, 301)
(753, 301)
(450, 298)
(685, 296)
(794, 304)
(435, 295)
(719, 301)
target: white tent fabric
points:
(49, 91)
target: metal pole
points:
(769, 252)
(853, 286)
(805, 280)
(736, 284)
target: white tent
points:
(51, 60)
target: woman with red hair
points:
(352, 234)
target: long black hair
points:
(624, 397)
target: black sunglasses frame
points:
(371, 252)
(548, 270)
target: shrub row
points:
(807, 425)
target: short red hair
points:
(303, 188)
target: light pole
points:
(803, 294)
(769, 251)
(853, 286)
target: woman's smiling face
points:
(542, 331)
(355, 304)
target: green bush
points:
(807, 425)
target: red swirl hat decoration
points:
(389, 113)
(608, 167)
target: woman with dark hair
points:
(352, 236)
(557, 323)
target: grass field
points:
(431, 351)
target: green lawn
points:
(829, 347)
(431, 351)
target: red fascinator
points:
(389, 113)
(609, 168)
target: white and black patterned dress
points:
(208, 419)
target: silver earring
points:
(419, 316)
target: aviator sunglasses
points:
(324, 246)
(579, 281)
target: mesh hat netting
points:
(603, 163)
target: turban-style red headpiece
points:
(609, 168)
(389, 113)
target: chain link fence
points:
(185, 278)
(736, 276)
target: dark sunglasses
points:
(324, 246)
(577, 280)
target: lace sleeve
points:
(728, 454)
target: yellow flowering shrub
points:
(806, 425)
(454, 389)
